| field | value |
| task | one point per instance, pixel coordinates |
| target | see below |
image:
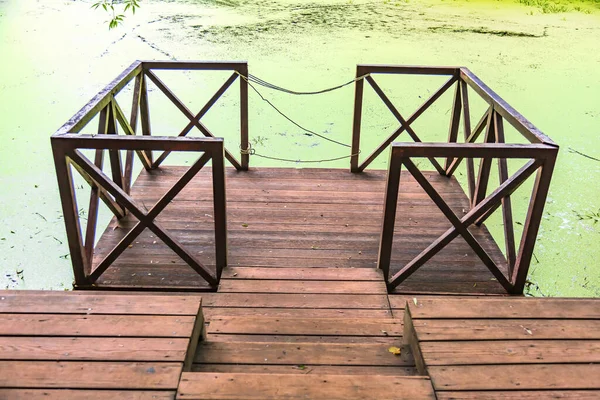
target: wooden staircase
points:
(301, 348)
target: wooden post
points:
(220, 208)
(71, 216)
(358, 99)
(145, 113)
(454, 123)
(467, 134)
(485, 164)
(507, 218)
(245, 157)
(389, 214)
(532, 223)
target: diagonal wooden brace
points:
(146, 220)
(490, 203)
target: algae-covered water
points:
(542, 57)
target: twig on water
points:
(572, 150)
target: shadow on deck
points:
(278, 217)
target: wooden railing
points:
(540, 151)
(114, 191)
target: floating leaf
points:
(395, 350)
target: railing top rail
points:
(118, 142)
(521, 123)
(100, 100)
(406, 69)
(474, 150)
(239, 66)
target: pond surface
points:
(543, 59)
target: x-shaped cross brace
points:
(405, 124)
(146, 219)
(477, 214)
(194, 119)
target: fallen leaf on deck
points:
(245, 225)
(395, 350)
(529, 332)
(415, 300)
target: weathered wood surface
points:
(278, 216)
(298, 324)
(95, 345)
(60, 394)
(289, 386)
(476, 347)
(306, 326)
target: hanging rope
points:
(251, 151)
(253, 79)
(257, 80)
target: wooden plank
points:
(551, 308)
(213, 312)
(301, 353)
(411, 339)
(60, 394)
(518, 395)
(304, 274)
(239, 338)
(89, 375)
(96, 303)
(93, 349)
(336, 301)
(198, 333)
(95, 325)
(277, 386)
(307, 369)
(498, 329)
(273, 286)
(515, 377)
(306, 326)
(511, 352)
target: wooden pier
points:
(215, 282)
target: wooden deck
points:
(289, 218)
(507, 348)
(303, 341)
(58, 345)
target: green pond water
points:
(542, 57)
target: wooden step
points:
(257, 325)
(279, 353)
(219, 386)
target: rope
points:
(266, 84)
(253, 79)
(251, 151)
(302, 161)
